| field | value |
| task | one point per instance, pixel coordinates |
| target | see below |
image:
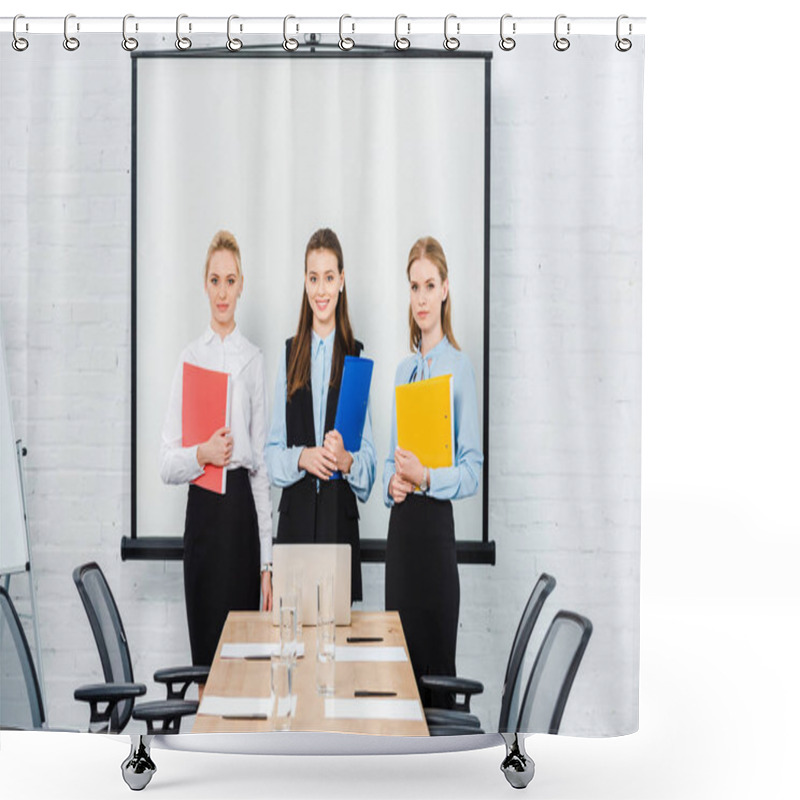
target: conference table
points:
(398, 714)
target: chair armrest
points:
(180, 675)
(443, 684)
(109, 693)
(168, 712)
(446, 716)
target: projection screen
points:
(271, 147)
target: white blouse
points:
(243, 361)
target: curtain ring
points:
(232, 44)
(451, 42)
(507, 42)
(623, 45)
(128, 42)
(70, 42)
(345, 42)
(289, 44)
(182, 42)
(18, 42)
(401, 42)
(561, 43)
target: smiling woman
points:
(222, 531)
(304, 450)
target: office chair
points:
(119, 690)
(512, 683)
(553, 673)
(21, 706)
(550, 680)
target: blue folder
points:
(351, 412)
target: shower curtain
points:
(116, 170)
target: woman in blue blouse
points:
(421, 569)
(303, 449)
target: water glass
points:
(288, 627)
(297, 591)
(281, 712)
(325, 603)
(326, 637)
(326, 657)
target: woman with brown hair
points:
(421, 568)
(303, 450)
(226, 536)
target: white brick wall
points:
(564, 364)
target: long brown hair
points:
(429, 248)
(299, 372)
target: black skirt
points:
(221, 569)
(422, 582)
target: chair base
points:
(518, 766)
(138, 768)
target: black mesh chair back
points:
(553, 672)
(20, 697)
(109, 634)
(512, 685)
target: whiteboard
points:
(271, 149)
(14, 554)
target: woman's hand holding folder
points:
(319, 461)
(402, 484)
(335, 445)
(217, 450)
(408, 467)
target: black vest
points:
(312, 514)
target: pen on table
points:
(258, 658)
(370, 693)
(355, 639)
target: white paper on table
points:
(235, 706)
(372, 708)
(257, 650)
(241, 707)
(355, 653)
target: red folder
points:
(205, 409)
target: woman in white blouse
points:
(226, 536)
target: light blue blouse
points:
(460, 480)
(282, 460)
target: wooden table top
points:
(235, 677)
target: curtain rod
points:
(349, 25)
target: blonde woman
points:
(421, 569)
(227, 538)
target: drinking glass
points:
(325, 602)
(326, 658)
(288, 627)
(326, 637)
(296, 589)
(281, 712)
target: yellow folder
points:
(425, 420)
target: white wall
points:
(565, 363)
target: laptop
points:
(311, 562)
